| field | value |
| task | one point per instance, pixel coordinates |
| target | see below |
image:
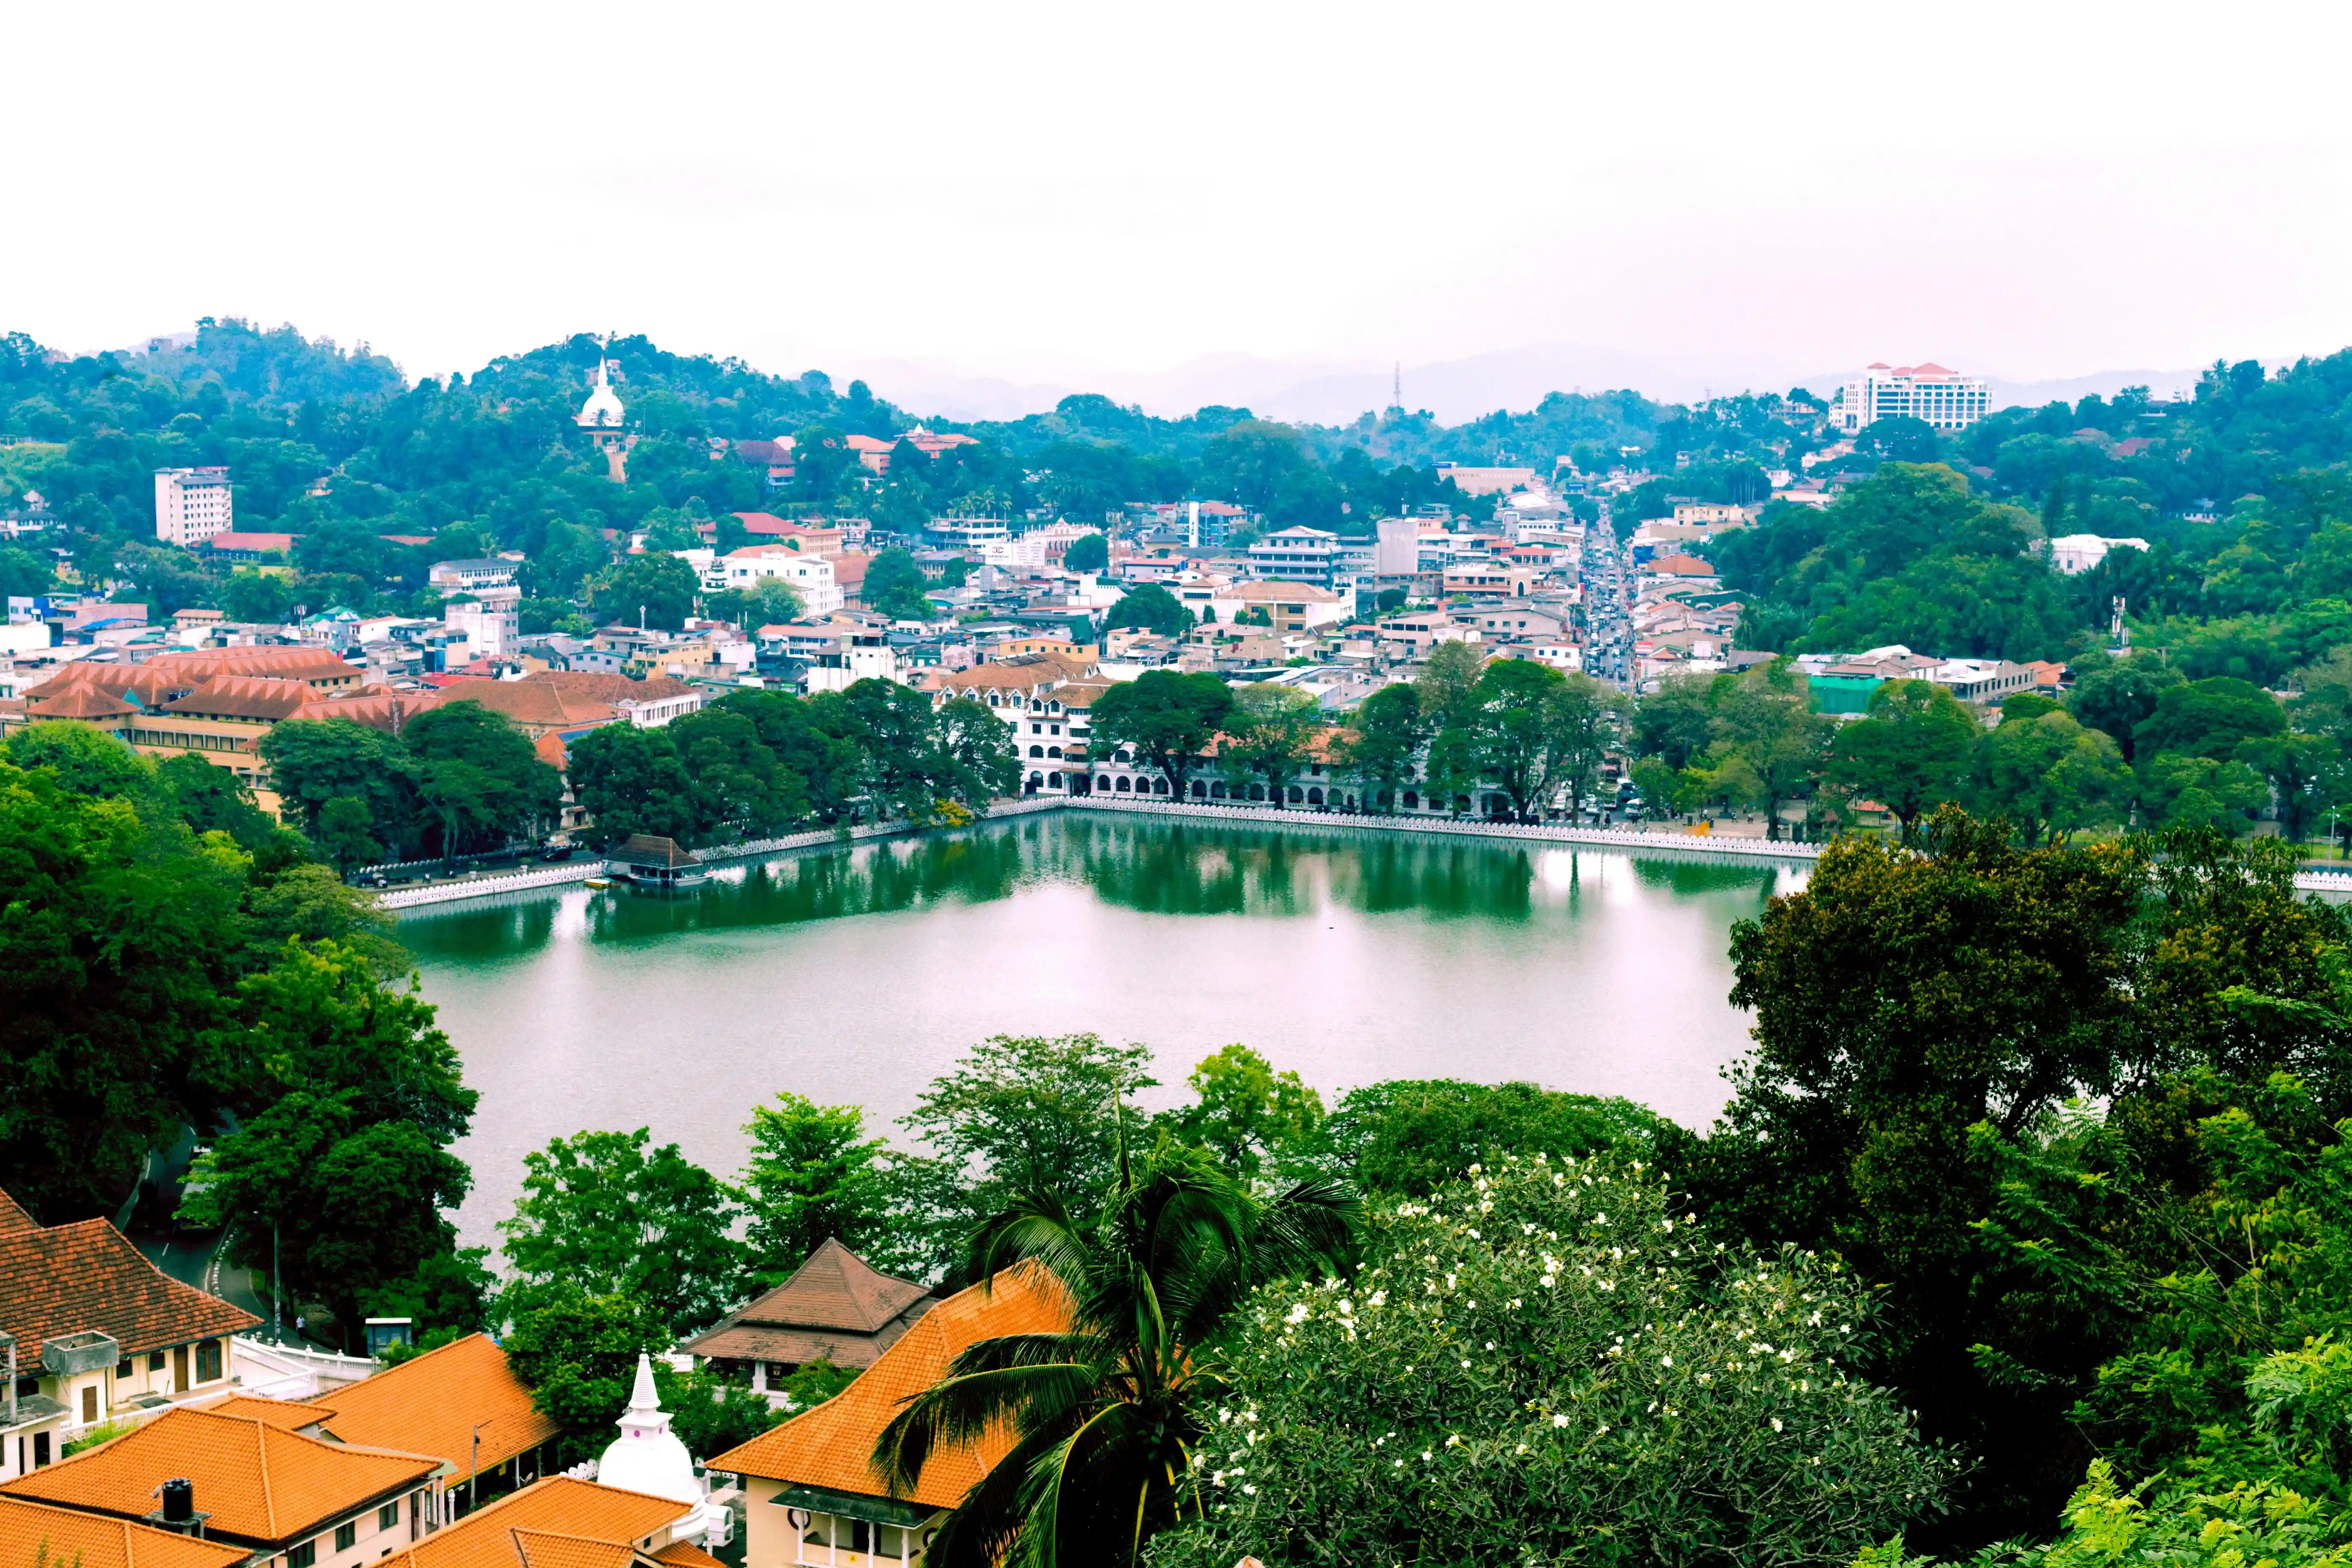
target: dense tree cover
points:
(173, 960)
(755, 763)
(1165, 719)
(1931, 1026)
(458, 778)
(1547, 1362)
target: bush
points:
(1547, 1366)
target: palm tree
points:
(1106, 1414)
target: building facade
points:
(191, 505)
(1944, 399)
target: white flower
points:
(1377, 1299)
(1465, 1363)
(1666, 1361)
(1426, 1455)
(1452, 1438)
(1298, 1314)
(1250, 1489)
(1776, 1424)
(1562, 1421)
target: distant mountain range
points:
(1336, 393)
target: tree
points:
(84, 760)
(1087, 552)
(1244, 1112)
(1166, 717)
(577, 1350)
(1106, 1416)
(1269, 734)
(1150, 607)
(1901, 999)
(978, 759)
(2178, 790)
(2305, 773)
(2208, 719)
(653, 589)
(1766, 733)
(22, 573)
(343, 833)
(629, 780)
(1547, 1362)
(1379, 751)
(607, 1213)
(1407, 1138)
(1912, 751)
(769, 601)
(2049, 775)
(1018, 1114)
(312, 762)
(117, 948)
(348, 1205)
(1674, 723)
(250, 595)
(1582, 723)
(895, 586)
(1445, 680)
(813, 1174)
(479, 776)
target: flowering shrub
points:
(1546, 1364)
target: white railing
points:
(1308, 817)
(483, 887)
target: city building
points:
(460, 1404)
(191, 505)
(1297, 555)
(812, 1493)
(836, 1307)
(2077, 552)
(811, 576)
(92, 1330)
(230, 548)
(290, 1501)
(1942, 398)
(1286, 606)
(472, 576)
(1473, 480)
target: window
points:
(388, 1516)
(122, 1368)
(208, 1361)
(303, 1556)
(155, 1360)
(347, 1535)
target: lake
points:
(855, 975)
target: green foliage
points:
(1087, 552)
(1380, 748)
(895, 587)
(654, 589)
(813, 1174)
(1106, 1416)
(1243, 1111)
(1406, 1136)
(609, 1215)
(1150, 607)
(2208, 719)
(578, 1350)
(709, 1413)
(1167, 718)
(1269, 733)
(1547, 1362)
(2051, 778)
(478, 779)
(1021, 1114)
(1911, 753)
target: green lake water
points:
(855, 975)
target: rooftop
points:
(431, 1404)
(69, 1279)
(558, 1523)
(259, 1483)
(835, 1308)
(31, 1533)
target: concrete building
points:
(1297, 555)
(1943, 398)
(810, 577)
(2077, 552)
(191, 505)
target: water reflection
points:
(1152, 867)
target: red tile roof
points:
(502, 1534)
(274, 661)
(432, 1403)
(33, 1533)
(832, 1446)
(65, 1278)
(261, 1485)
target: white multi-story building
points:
(1297, 555)
(191, 505)
(820, 595)
(2075, 553)
(1943, 398)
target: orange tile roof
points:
(286, 1414)
(243, 697)
(65, 1278)
(430, 1404)
(14, 1220)
(556, 1506)
(261, 1485)
(545, 1549)
(274, 661)
(686, 1554)
(31, 1533)
(532, 703)
(832, 1446)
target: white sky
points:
(1034, 191)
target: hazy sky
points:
(1038, 192)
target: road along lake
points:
(855, 974)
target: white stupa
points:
(603, 409)
(648, 1456)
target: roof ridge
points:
(268, 1499)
